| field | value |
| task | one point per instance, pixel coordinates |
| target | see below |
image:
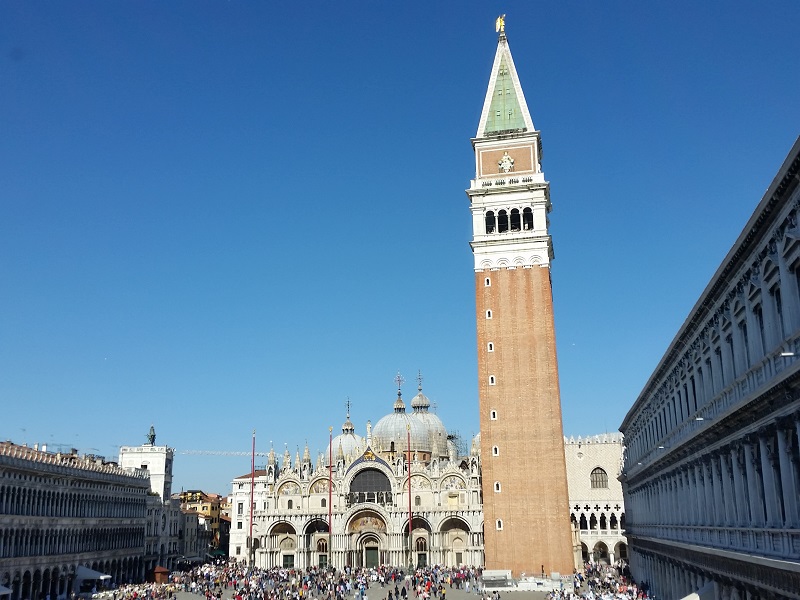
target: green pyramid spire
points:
(504, 109)
(505, 113)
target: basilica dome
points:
(391, 433)
(348, 443)
(436, 429)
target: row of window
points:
(505, 221)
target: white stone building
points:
(370, 502)
(164, 519)
(712, 466)
(597, 509)
(65, 516)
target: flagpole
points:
(330, 494)
(252, 487)
(410, 543)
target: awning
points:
(87, 573)
(4, 591)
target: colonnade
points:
(24, 541)
(731, 350)
(30, 501)
(741, 495)
(347, 549)
(57, 580)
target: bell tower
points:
(525, 501)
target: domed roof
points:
(348, 443)
(434, 425)
(396, 427)
(476, 445)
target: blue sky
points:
(220, 216)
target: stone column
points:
(710, 515)
(768, 474)
(700, 494)
(789, 483)
(717, 492)
(755, 492)
(740, 493)
(727, 492)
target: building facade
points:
(406, 470)
(527, 527)
(597, 508)
(63, 513)
(712, 468)
(164, 520)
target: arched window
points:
(502, 221)
(323, 502)
(417, 501)
(603, 523)
(322, 546)
(592, 522)
(583, 524)
(289, 504)
(421, 545)
(490, 222)
(599, 478)
(613, 521)
(515, 226)
(527, 219)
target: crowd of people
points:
(234, 581)
(603, 582)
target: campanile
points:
(525, 502)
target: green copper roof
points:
(505, 113)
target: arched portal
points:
(454, 536)
(368, 541)
(283, 537)
(600, 553)
(621, 551)
(316, 543)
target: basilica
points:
(407, 470)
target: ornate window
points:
(599, 478)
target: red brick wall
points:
(531, 469)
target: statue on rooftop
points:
(151, 437)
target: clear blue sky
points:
(220, 216)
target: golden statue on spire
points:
(500, 24)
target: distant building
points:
(208, 505)
(597, 509)
(156, 460)
(164, 517)
(65, 519)
(712, 475)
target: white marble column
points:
(708, 491)
(700, 494)
(742, 501)
(729, 493)
(789, 483)
(768, 475)
(755, 491)
(718, 507)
